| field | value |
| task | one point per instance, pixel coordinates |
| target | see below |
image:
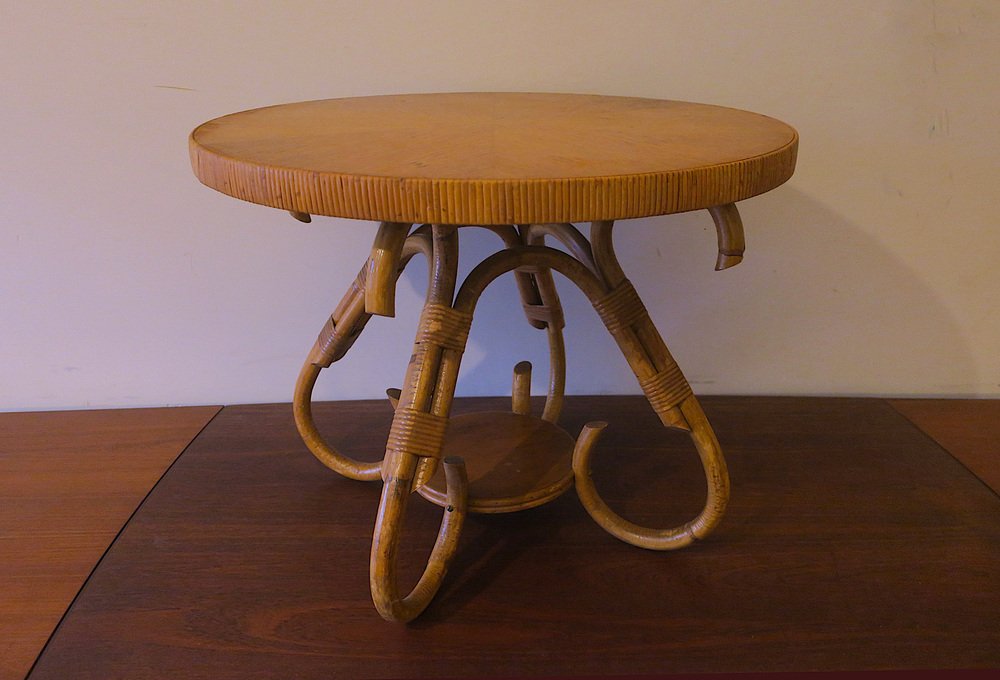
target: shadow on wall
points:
(819, 306)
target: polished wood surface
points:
(68, 483)
(968, 428)
(853, 541)
(493, 158)
(514, 461)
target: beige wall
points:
(125, 282)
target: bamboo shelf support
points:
(422, 405)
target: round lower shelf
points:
(514, 462)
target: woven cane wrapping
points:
(327, 344)
(444, 326)
(417, 433)
(336, 338)
(666, 389)
(621, 308)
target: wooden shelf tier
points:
(514, 461)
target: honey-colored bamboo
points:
(521, 389)
(383, 268)
(382, 566)
(690, 415)
(416, 439)
(548, 311)
(571, 237)
(338, 335)
(525, 166)
(732, 242)
(423, 404)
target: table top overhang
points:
(493, 158)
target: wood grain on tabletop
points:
(852, 542)
(493, 158)
(69, 481)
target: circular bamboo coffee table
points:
(527, 167)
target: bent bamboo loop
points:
(385, 544)
(648, 356)
(716, 476)
(538, 293)
(415, 441)
(349, 317)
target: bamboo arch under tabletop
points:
(422, 406)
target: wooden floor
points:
(853, 541)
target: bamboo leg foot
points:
(416, 439)
(382, 574)
(644, 537)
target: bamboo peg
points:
(521, 392)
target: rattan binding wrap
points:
(444, 326)
(417, 433)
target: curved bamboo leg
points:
(416, 440)
(716, 475)
(542, 306)
(574, 241)
(665, 387)
(338, 335)
(382, 565)
(668, 392)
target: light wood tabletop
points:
(493, 158)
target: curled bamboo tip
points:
(585, 443)
(383, 268)
(725, 261)
(393, 393)
(729, 228)
(521, 391)
(301, 216)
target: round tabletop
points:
(493, 158)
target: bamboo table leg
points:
(417, 438)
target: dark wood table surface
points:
(854, 541)
(69, 480)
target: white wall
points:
(124, 282)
